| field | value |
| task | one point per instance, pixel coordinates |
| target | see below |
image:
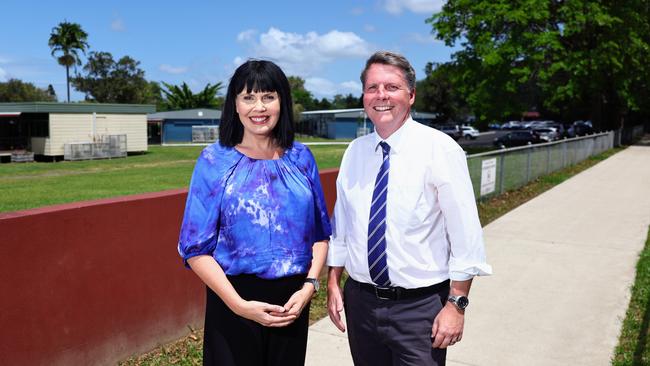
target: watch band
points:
(461, 302)
(314, 282)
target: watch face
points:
(462, 302)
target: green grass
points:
(489, 211)
(306, 138)
(185, 352)
(31, 185)
(634, 343)
(469, 150)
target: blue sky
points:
(200, 42)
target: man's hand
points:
(335, 297)
(447, 326)
(335, 306)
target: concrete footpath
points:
(563, 264)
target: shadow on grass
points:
(641, 295)
(632, 348)
(641, 344)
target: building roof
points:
(329, 111)
(359, 112)
(54, 107)
(337, 113)
(198, 113)
(425, 115)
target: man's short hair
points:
(392, 59)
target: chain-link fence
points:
(495, 172)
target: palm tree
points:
(68, 39)
(183, 98)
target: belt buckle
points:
(379, 290)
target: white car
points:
(547, 134)
(469, 132)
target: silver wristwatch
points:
(461, 302)
(313, 281)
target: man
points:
(406, 224)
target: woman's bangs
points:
(258, 82)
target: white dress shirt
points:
(433, 231)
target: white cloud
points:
(196, 84)
(353, 86)
(424, 39)
(415, 6)
(369, 28)
(3, 74)
(117, 25)
(173, 69)
(321, 87)
(302, 54)
(246, 35)
(238, 61)
(4, 60)
(357, 11)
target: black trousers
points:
(392, 332)
(230, 340)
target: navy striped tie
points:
(377, 224)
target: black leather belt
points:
(400, 293)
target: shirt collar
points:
(396, 140)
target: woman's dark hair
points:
(257, 76)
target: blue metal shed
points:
(176, 126)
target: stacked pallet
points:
(21, 156)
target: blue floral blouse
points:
(255, 216)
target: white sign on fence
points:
(488, 176)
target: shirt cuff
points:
(194, 253)
(337, 255)
(463, 271)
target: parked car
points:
(547, 134)
(517, 138)
(452, 130)
(469, 132)
(561, 132)
(512, 125)
(580, 128)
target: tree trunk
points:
(67, 80)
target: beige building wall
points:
(133, 125)
(75, 127)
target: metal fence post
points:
(502, 165)
(548, 159)
(564, 143)
(528, 164)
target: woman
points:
(255, 226)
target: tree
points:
(15, 90)
(106, 81)
(322, 104)
(51, 91)
(559, 56)
(346, 101)
(182, 97)
(300, 95)
(438, 93)
(66, 40)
